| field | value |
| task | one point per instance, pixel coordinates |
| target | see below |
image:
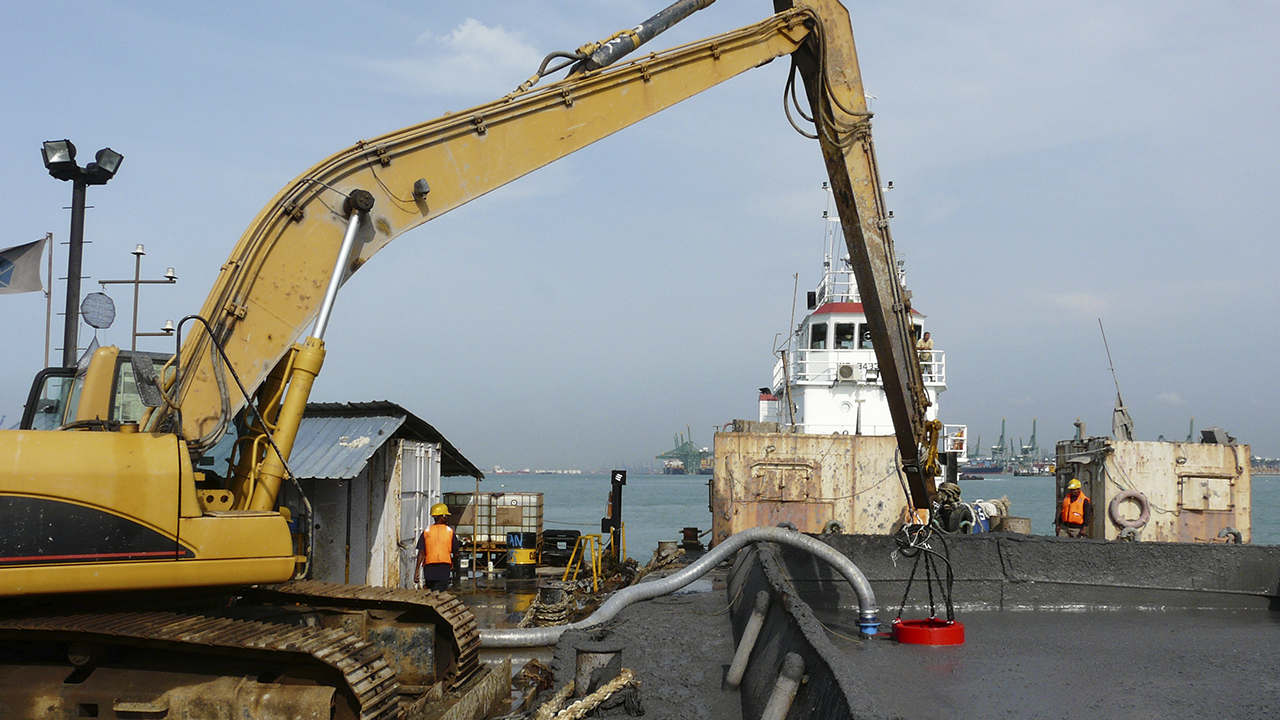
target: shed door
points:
(419, 490)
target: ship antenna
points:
(1121, 423)
(786, 377)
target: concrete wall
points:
(831, 689)
(1023, 572)
(762, 479)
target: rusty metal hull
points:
(1193, 491)
(762, 479)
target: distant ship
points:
(982, 466)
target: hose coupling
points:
(868, 625)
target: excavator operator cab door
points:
(47, 402)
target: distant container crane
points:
(686, 458)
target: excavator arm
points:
(273, 285)
(828, 65)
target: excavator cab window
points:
(136, 387)
(55, 393)
(47, 403)
(126, 405)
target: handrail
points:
(821, 366)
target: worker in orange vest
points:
(1076, 516)
(437, 547)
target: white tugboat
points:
(828, 370)
(824, 455)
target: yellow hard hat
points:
(440, 509)
(1074, 484)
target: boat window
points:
(916, 328)
(845, 334)
(864, 337)
(818, 336)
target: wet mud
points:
(679, 646)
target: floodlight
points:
(104, 166)
(60, 159)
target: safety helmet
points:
(442, 510)
(1074, 484)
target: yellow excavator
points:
(136, 581)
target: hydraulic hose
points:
(535, 637)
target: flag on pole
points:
(20, 268)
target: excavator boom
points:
(270, 289)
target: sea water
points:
(654, 507)
(658, 507)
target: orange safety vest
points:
(1073, 512)
(439, 543)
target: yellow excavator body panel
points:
(97, 511)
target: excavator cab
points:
(113, 389)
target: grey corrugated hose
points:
(535, 637)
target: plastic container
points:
(557, 546)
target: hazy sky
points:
(1053, 164)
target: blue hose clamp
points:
(869, 626)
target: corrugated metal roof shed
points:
(336, 440)
(337, 448)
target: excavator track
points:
(465, 638)
(370, 680)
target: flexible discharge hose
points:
(535, 637)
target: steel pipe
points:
(748, 643)
(784, 689)
(535, 637)
(626, 42)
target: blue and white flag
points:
(20, 268)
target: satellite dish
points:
(98, 310)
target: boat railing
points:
(955, 439)
(821, 366)
(837, 287)
(933, 366)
